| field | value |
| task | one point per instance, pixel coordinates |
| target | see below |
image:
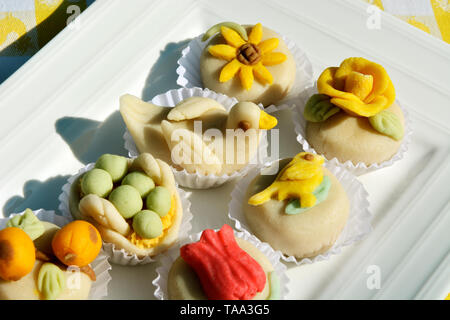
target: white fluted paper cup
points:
(117, 255)
(359, 168)
(101, 266)
(166, 261)
(197, 180)
(358, 223)
(189, 67)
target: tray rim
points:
(15, 82)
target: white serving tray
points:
(60, 110)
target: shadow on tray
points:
(163, 75)
(89, 139)
(37, 195)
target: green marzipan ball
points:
(127, 200)
(159, 200)
(116, 166)
(96, 181)
(147, 224)
(143, 183)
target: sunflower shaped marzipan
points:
(247, 58)
(358, 86)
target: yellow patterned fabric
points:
(430, 16)
(27, 25)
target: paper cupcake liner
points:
(359, 168)
(99, 288)
(197, 180)
(358, 224)
(171, 255)
(189, 67)
(116, 255)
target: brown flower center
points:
(249, 54)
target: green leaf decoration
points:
(29, 223)
(51, 281)
(387, 123)
(274, 285)
(321, 194)
(232, 25)
(319, 108)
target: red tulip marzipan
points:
(226, 272)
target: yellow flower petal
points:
(232, 37)
(326, 85)
(223, 51)
(361, 108)
(378, 104)
(364, 66)
(268, 45)
(389, 94)
(359, 84)
(256, 34)
(273, 58)
(246, 75)
(262, 74)
(229, 70)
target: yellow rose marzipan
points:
(358, 86)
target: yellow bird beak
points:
(266, 121)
